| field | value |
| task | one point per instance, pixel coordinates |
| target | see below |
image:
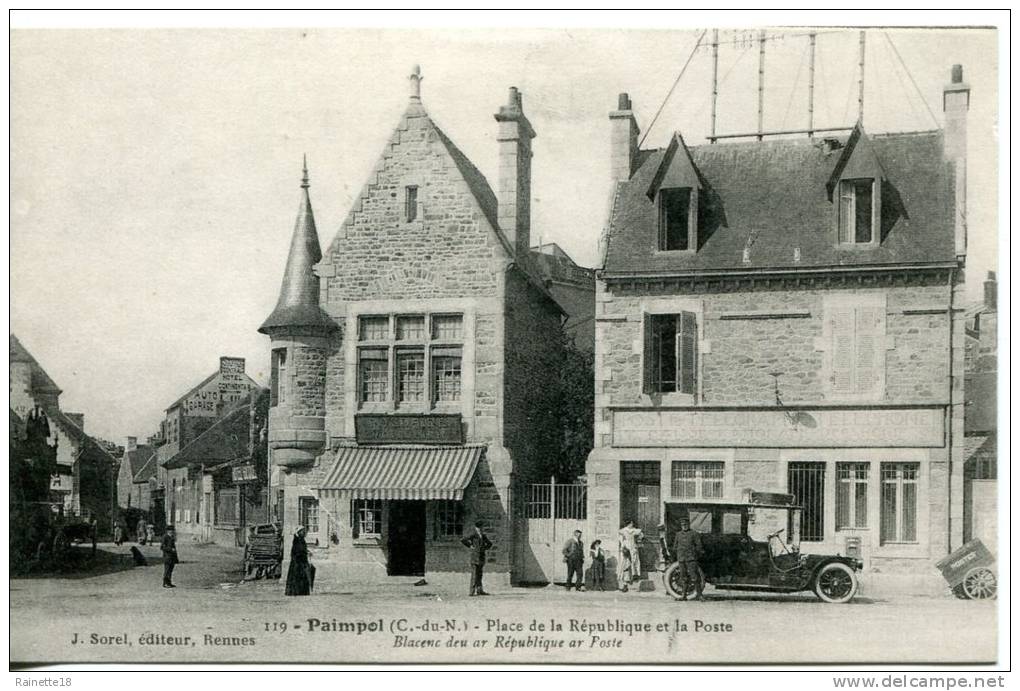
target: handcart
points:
(263, 552)
(970, 571)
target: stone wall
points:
(746, 335)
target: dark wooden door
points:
(406, 539)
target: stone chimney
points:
(132, 444)
(514, 195)
(955, 103)
(991, 292)
(623, 139)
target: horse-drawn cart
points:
(970, 571)
(263, 552)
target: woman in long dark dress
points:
(300, 573)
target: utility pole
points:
(761, 82)
(811, 87)
(860, 83)
(715, 79)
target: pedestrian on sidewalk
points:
(479, 543)
(300, 573)
(169, 549)
(573, 555)
(598, 566)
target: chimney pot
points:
(991, 291)
(623, 102)
(132, 443)
(957, 74)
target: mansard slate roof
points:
(771, 196)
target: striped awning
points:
(402, 472)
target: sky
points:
(154, 173)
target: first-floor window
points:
(851, 495)
(899, 502)
(697, 479)
(373, 374)
(446, 374)
(671, 353)
(366, 517)
(449, 519)
(410, 376)
(308, 513)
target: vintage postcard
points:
(508, 346)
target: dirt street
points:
(124, 615)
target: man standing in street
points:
(169, 548)
(479, 544)
(573, 554)
(687, 550)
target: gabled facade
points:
(83, 485)
(133, 460)
(782, 315)
(179, 490)
(406, 358)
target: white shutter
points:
(842, 330)
(687, 352)
(866, 360)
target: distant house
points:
(134, 458)
(221, 462)
(187, 418)
(573, 287)
(83, 486)
(980, 470)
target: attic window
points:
(677, 222)
(857, 217)
(410, 203)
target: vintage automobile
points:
(744, 549)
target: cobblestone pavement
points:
(126, 616)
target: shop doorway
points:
(641, 502)
(406, 539)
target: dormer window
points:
(858, 215)
(678, 225)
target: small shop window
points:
(899, 502)
(697, 479)
(851, 495)
(449, 519)
(366, 517)
(308, 513)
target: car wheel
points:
(980, 583)
(671, 582)
(836, 583)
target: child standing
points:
(598, 566)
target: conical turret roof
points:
(298, 304)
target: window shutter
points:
(687, 352)
(648, 355)
(869, 321)
(842, 329)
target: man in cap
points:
(479, 544)
(687, 550)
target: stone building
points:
(179, 489)
(406, 359)
(980, 387)
(133, 460)
(84, 486)
(783, 315)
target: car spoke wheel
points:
(672, 581)
(980, 583)
(835, 582)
